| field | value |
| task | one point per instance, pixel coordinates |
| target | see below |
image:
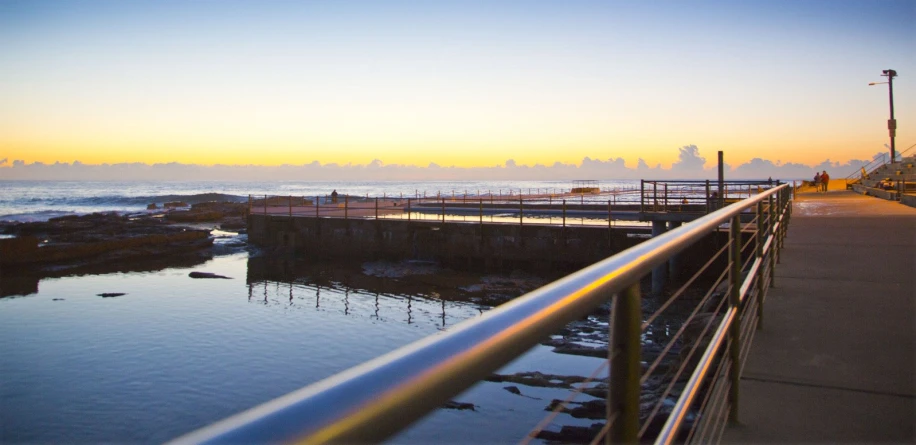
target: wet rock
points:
(175, 204)
(111, 294)
(537, 379)
(207, 275)
(152, 206)
(513, 389)
(57, 299)
(572, 434)
(592, 409)
(233, 223)
(461, 406)
(96, 238)
(194, 216)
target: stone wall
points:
(456, 244)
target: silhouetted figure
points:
(825, 179)
(334, 196)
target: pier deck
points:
(835, 360)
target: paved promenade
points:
(836, 358)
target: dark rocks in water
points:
(572, 434)
(206, 275)
(193, 216)
(175, 204)
(513, 389)
(152, 206)
(111, 294)
(537, 379)
(234, 223)
(213, 211)
(97, 238)
(461, 406)
(592, 409)
(57, 299)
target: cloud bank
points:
(690, 165)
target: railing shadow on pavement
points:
(379, 398)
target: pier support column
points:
(660, 273)
(674, 264)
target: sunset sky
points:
(461, 83)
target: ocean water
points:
(39, 200)
(175, 354)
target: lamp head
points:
(889, 73)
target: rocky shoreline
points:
(110, 242)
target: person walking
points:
(825, 179)
(817, 182)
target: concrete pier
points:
(836, 358)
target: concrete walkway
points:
(836, 358)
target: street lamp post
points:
(891, 123)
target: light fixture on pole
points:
(891, 123)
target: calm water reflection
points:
(176, 353)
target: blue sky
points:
(456, 83)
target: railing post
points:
(771, 235)
(655, 196)
(758, 250)
(265, 204)
(564, 213)
(665, 205)
(408, 209)
(707, 197)
(290, 205)
(521, 211)
(481, 210)
(734, 331)
(609, 229)
(376, 207)
(249, 204)
(624, 354)
(642, 195)
(777, 241)
(442, 203)
(317, 203)
(346, 204)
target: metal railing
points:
(876, 163)
(687, 195)
(561, 209)
(375, 400)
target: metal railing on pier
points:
(695, 196)
(377, 399)
(510, 208)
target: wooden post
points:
(346, 204)
(290, 205)
(265, 204)
(376, 207)
(564, 213)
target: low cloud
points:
(691, 164)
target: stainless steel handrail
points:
(375, 400)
